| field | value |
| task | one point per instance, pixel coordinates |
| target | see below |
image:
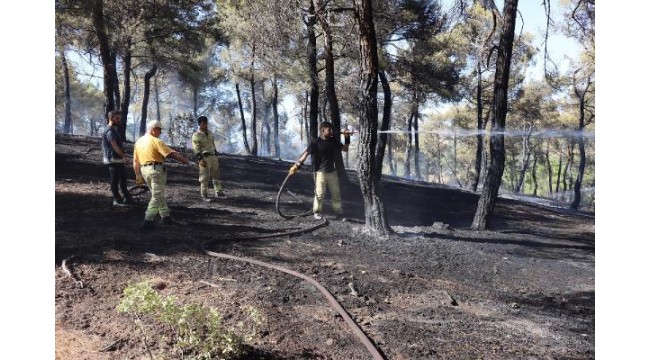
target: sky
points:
(622, 249)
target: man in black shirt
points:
(114, 157)
(323, 151)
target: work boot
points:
(220, 194)
(147, 225)
(317, 216)
(206, 199)
(167, 220)
(128, 201)
(340, 217)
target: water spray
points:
(459, 132)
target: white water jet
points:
(460, 132)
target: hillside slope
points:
(435, 290)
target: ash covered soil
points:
(434, 290)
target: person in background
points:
(115, 157)
(206, 154)
(323, 151)
(149, 154)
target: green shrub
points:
(198, 332)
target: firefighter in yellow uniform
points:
(149, 153)
(206, 154)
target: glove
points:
(139, 180)
(294, 169)
(202, 163)
(191, 163)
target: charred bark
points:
(313, 74)
(276, 120)
(490, 192)
(385, 121)
(104, 54)
(375, 214)
(145, 98)
(243, 120)
(67, 120)
(126, 98)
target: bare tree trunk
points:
(145, 98)
(534, 174)
(416, 138)
(253, 105)
(375, 213)
(524, 161)
(568, 166)
(559, 173)
(67, 120)
(243, 120)
(385, 121)
(305, 118)
(407, 154)
(116, 80)
(439, 159)
(126, 100)
(488, 198)
(195, 101)
(157, 92)
(391, 163)
(276, 120)
(105, 54)
(479, 126)
(549, 169)
(313, 74)
(577, 196)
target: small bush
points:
(197, 331)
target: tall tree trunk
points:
(416, 138)
(577, 196)
(409, 145)
(385, 121)
(126, 99)
(145, 98)
(568, 166)
(534, 174)
(549, 169)
(559, 173)
(254, 116)
(489, 194)
(157, 92)
(266, 137)
(276, 120)
(313, 73)
(479, 127)
(438, 159)
(67, 120)
(305, 118)
(391, 163)
(195, 101)
(116, 81)
(525, 160)
(375, 213)
(104, 54)
(243, 121)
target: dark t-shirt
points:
(323, 153)
(110, 156)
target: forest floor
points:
(434, 290)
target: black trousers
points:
(118, 179)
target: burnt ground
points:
(434, 290)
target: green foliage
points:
(198, 331)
